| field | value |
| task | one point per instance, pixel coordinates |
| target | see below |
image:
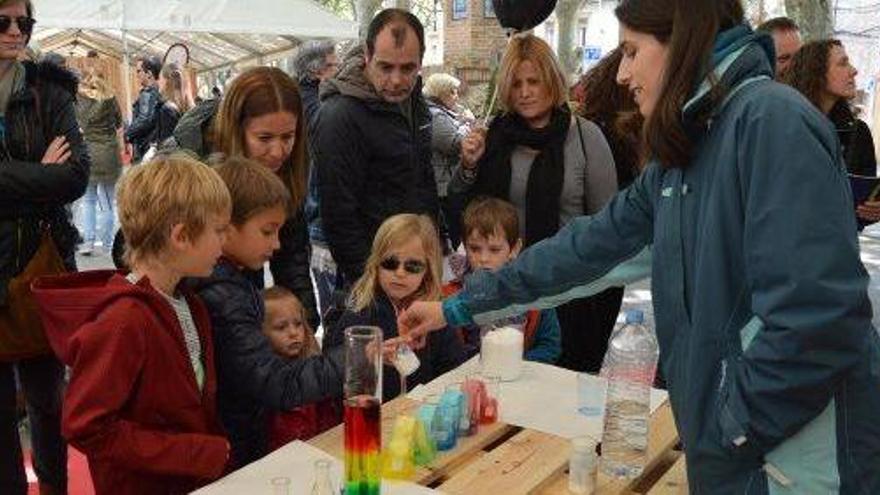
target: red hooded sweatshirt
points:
(133, 405)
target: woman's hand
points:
(473, 146)
(58, 152)
(869, 211)
(419, 319)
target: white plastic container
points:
(501, 353)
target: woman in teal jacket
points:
(761, 305)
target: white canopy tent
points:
(217, 32)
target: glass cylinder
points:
(489, 410)
(280, 485)
(323, 485)
(363, 397)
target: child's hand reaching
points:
(389, 349)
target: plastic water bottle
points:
(629, 366)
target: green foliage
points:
(342, 8)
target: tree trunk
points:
(813, 17)
(365, 10)
(566, 18)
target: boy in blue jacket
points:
(490, 227)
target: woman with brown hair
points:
(612, 108)
(760, 299)
(261, 118)
(822, 71)
(553, 166)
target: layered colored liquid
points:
(363, 445)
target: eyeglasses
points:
(25, 24)
(413, 267)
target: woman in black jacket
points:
(44, 167)
(822, 72)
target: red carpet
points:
(79, 481)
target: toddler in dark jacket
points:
(404, 266)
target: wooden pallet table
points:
(509, 460)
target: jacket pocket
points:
(806, 463)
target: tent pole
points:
(126, 66)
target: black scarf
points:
(546, 176)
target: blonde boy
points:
(140, 403)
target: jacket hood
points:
(739, 55)
(351, 79)
(67, 302)
(51, 73)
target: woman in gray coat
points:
(449, 128)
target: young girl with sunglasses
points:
(404, 266)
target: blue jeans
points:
(98, 196)
(42, 380)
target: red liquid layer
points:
(363, 444)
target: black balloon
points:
(522, 15)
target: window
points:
(488, 8)
(459, 9)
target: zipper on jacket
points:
(18, 246)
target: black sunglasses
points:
(414, 267)
(25, 24)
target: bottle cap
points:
(583, 445)
(635, 316)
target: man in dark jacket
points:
(143, 112)
(373, 140)
(315, 62)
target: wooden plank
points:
(674, 482)
(446, 463)
(661, 439)
(520, 465)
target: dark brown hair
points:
(253, 188)
(808, 70)
(612, 108)
(254, 93)
(689, 29)
(398, 19)
(486, 216)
